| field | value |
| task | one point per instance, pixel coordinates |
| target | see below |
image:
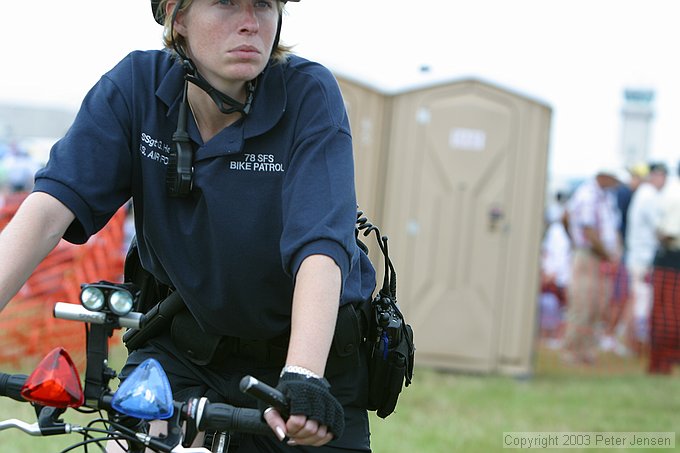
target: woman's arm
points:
(316, 301)
(32, 233)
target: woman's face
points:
(229, 40)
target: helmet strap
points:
(225, 103)
(278, 33)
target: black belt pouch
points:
(344, 353)
(194, 344)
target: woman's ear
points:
(169, 10)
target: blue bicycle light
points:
(145, 394)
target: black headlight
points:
(116, 298)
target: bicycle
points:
(54, 387)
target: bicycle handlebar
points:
(10, 386)
(197, 412)
(222, 417)
(72, 312)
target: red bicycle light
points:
(55, 382)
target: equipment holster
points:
(154, 322)
(152, 291)
(158, 302)
(391, 356)
(391, 351)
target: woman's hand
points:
(316, 415)
(298, 430)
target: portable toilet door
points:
(463, 207)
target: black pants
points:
(220, 383)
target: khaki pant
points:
(587, 296)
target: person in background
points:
(555, 273)
(614, 330)
(641, 246)
(593, 226)
(665, 316)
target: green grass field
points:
(450, 412)
(446, 412)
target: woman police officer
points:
(238, 158)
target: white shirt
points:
(669, 213)
(556, 253)
(643, 219)
(593, 207)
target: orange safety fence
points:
(28, 329)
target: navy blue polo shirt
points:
(269, 191)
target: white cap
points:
(617, 172)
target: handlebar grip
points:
(223, 417)
(11, 384)
(263, 392)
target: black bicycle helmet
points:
(160, 18)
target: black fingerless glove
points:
(312, 398)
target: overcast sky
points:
(575, 55)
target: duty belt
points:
(208, 349)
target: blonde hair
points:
(170, 35)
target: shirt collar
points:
(170, 89)
(269, 102)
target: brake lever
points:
(29, 428)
